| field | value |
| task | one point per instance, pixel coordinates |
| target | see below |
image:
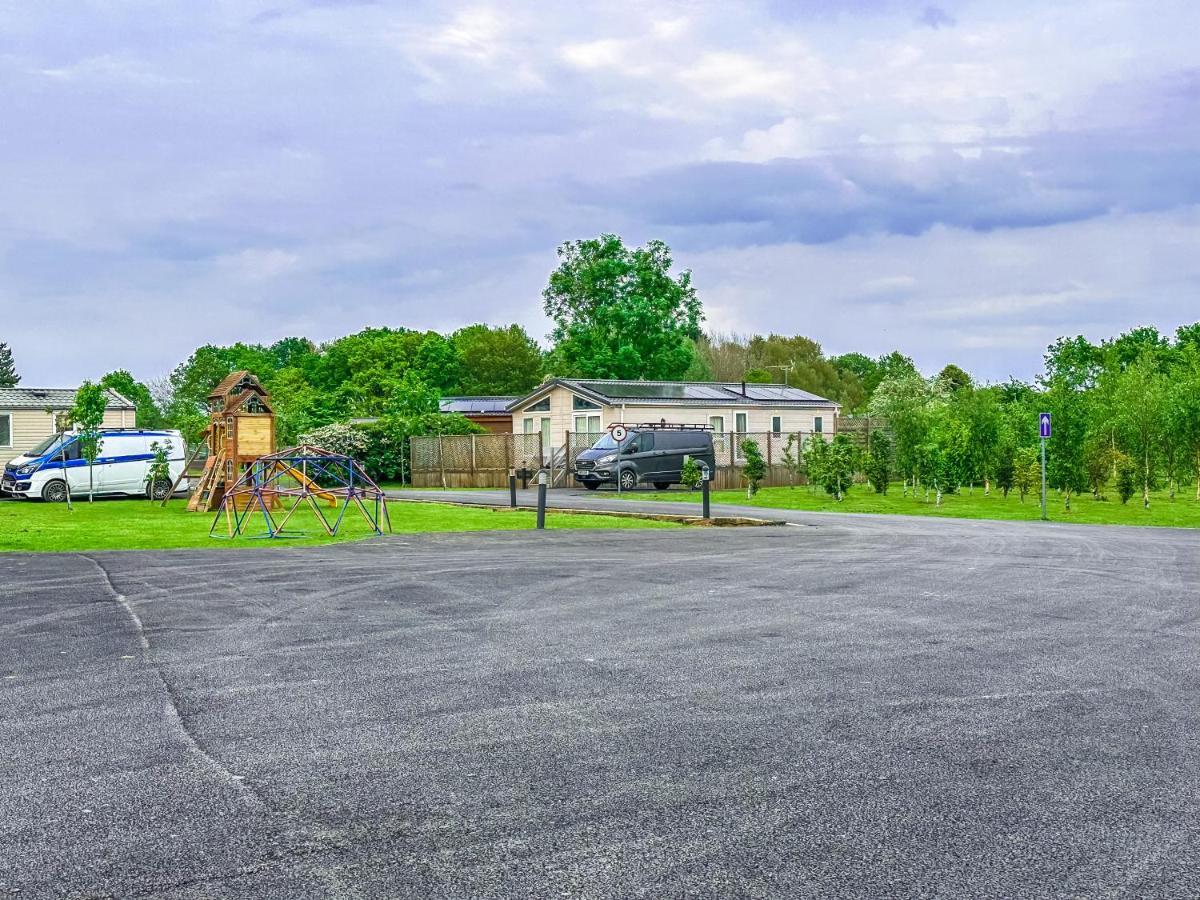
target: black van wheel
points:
(661, 485)
(160, 490)
(628, 480)
(55, 492)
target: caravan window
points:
(5, 429)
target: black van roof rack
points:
(669, 426)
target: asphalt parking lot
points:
(849, 708)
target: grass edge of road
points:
(1181, 512)
(115, 525)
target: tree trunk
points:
(1146, 480)
(91, 483)
(1067, 494)
(987, 486)
(938, 500)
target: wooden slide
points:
(310, 485)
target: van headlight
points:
(607, 460)
(27, 470)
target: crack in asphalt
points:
(171, 708)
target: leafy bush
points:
(831, 463)
(793, 459)
(1005, 469)
(879, 462)
(1027, 470)
(690, 474)
(339, 437)
(1127, 476)
(754, 469)
(159, 470)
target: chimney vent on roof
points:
(743, 389)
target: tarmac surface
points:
(859, 707)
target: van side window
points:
(71, 451)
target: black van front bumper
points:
(586, 474)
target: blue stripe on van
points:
(100, 461)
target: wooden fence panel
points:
(484, 460)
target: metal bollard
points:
(704, 503)
(512, 488)
(541, 512)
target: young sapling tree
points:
(690, 473)
(158, 473)
(87, 415)
(754, 469)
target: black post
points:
(704, 499)
(512, 488)
(541, 511)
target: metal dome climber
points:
(274, 487)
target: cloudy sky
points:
(962, 181)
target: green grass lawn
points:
(141, 525)
(1183, 511)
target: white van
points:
(121, 468)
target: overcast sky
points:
(962, 181)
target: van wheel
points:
(592, 485)
(160, 490)
(628, 480)
(661, 485)
(55, 492)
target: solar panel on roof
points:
(760, 392)
(706, 392)
(475, 404)
(647, 391)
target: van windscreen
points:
(606, 442)
(43, 447)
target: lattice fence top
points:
(476, 452)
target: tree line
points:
(1125, 410)
(1125, 414)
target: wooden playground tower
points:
(241, 428)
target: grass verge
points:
(140, 525)
(1182, 512)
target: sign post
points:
(1044, 433)
(618, 434)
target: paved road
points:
(930, 708)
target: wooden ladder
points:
(214, 471)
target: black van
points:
(649, 454)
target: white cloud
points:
(259, 265)
(601, 54)
(319, 167)
(990, 302)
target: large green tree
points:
(148, 414)
(498, 361)
(1066, 451)
(1139, 407)
(619, 312)
(910, 404)
(8, 369)
(1183, 412)
(794, 360)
